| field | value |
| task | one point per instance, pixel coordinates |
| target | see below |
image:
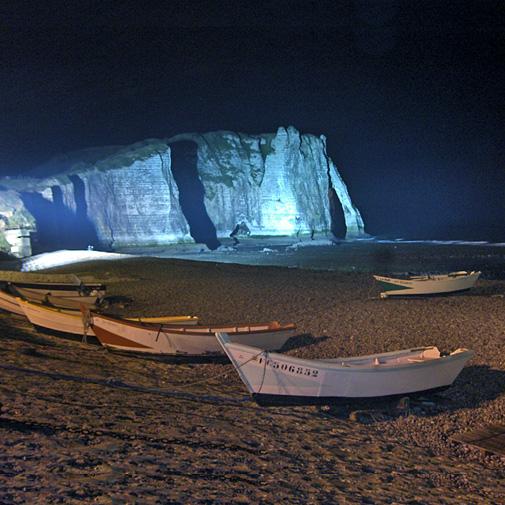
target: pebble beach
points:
(79, 424)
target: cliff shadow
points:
(87, 231)
(59, 227)
(338, 226)
(191, 193)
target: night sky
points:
(410, 94)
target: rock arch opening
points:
(184, 156)
(338, 226)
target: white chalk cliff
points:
(277, 184)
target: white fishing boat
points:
(9, 303)
(427, 284)
(277, 378)
(130, 336)
(74, 322)
(54, 319)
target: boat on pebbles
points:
(169, 340)
(60, 296)
(274, 378)
(415, 285)
(59, 290)
(76, 323)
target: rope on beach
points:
(121, 384)
(231, 402)
(221, 374)
(52, 428)
(111, 383)
(141, 389)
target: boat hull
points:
(271, 376)
(61, 321)
(428, 285)
(269, 400)
(192, 341)
(54, 319)
(64, 300)
(62, 288)
(10, 304)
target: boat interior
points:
(418, 355)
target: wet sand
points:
(79, 424)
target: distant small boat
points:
(9, 303)
(73, 322)
(129, 336)
(277, 378)
(427, 284)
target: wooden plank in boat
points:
(489, 438)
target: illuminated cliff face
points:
(15, 224)
(190, 187)
(136, 204)
(277, 184)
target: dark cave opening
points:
(192, 192)
(87, 231)
(59, 227)
(338, 226)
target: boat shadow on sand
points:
(302, 340)
(17, 329)
(476, 385)
(493, 291)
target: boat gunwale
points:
(39, 306)
(332, 367)
(203, 330)
(78, 314)
(47, 286)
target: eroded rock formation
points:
(277, 183)
(15, 224)
(192, 186)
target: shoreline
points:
(369, 256)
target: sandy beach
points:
(79, 424)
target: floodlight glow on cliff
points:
(280, 217)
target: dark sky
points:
(410, 94)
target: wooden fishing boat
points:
(129, 336)
(60, 295)
(54, 319)
(427, 284)
(9, 303)
(60, 302)
(73, 322)
(277, 378)
(62, 288)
